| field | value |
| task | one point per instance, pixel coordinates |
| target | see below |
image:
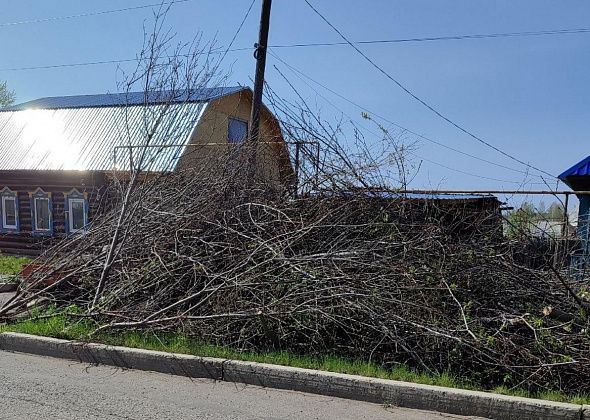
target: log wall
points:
(57, 183)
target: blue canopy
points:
(581, 168)
(578, 176)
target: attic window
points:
(237, 130)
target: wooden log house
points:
(57, 154)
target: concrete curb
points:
(402, 394)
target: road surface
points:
(4, 297)
(34, 387)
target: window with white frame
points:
(237, 130)
(76, 206)
(42, 212)
(9, 209)
(9, 212)
(77, 214)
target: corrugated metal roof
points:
(97, 136)
(581, 168)
(126, 99)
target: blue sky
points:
(529, 96)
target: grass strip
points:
(11, 266)
(62, 326)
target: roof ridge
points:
(137, 92)
(118, 99)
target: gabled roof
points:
(126, 99)
(581, 168)
(97, 132)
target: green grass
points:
(12, 265)
(60, 326)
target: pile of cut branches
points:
(334, 269)
(393, 280)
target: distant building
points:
(551, 229)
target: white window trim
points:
(5, 225)
(49, 213)
(71, 215)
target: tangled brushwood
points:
(337, 268)
(390, 279)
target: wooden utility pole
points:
(260, 56)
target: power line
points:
(57, 66)
(470, 173)
(365, 109)
(422, 101)
(297, 45)
(119, 61)
(409, 152)
(443, 38)
(228, 49)
(547, 32)
(130, 60)
(100, 62)
(103, 12)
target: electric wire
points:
(313, 44)
(422, 101)
(321, 44)
(228, 49)
(546, 32)
(409, 151)
(63, 65)
(470, 173)
(442, 38)
(401, 127)
(81, 15)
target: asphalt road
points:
(34, 387)
(4, 297)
